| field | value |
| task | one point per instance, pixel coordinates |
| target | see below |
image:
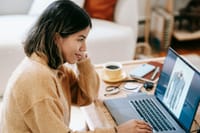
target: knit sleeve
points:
(85, 90)
(46, 116)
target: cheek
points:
(68, 51)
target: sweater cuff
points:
(84, 65)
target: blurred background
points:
(165, 23)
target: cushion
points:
(102, 9)
(111, 40)
(38, 6)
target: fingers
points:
(135, 126)
(85, 54)
(142, 125)
(141, 122)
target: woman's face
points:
(73, 47)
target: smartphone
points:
(142, 70)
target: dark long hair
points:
(63, 17)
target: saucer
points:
(132, 87)
(107, 79)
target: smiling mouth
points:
(78, 56)
(81, 55)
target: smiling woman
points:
(41, 90)
(62, 29)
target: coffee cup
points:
(112, 70)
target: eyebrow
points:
(82, 36)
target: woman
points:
(42, 88)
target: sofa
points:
(109, 40)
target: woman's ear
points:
(57, 38)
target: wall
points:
(6, 5)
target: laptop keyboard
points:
(152, 114)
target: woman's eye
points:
(80, 39)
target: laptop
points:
(173, 106)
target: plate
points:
(106, 78)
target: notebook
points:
(173, 106)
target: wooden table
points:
(96, 114)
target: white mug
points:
(113, 70)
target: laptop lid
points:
(178, 89)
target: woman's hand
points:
(134, 126)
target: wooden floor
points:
(182, 48)
(189, 47)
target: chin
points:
(72, 61)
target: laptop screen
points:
(178, 88)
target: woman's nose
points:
(83, 47)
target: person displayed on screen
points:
(175, 89)
(43, 87)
